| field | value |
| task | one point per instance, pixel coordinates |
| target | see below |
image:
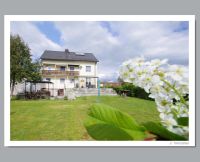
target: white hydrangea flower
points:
(177, 72)
(167, 84)
(168, 120)
(177, 130)
(157, 62)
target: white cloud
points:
(85, 36)
(154, 40)
(36, 40)
(151, 39)
(91, 37)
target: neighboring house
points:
(68, 69)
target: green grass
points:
(63, 120)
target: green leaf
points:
(183, 121)
(162, 132)
(107, 123)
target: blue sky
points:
(111, 42)
(48, 28)
(108, 27)
(183, 26)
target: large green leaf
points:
(107, 123)
(162, 132)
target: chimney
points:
(66, 51)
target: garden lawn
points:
(63, 119)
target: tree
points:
(34, 71)
(21, 66)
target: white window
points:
(62, 80)
(88, 68)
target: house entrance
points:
(88, 82)
(61, 92)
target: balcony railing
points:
(59, 73)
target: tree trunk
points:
(12, 87)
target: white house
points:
(66, 69)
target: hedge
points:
(132, 91)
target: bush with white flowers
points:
(167, 84)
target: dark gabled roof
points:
(67, 56)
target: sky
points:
(112, 42)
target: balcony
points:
(49, 73)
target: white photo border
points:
(9, 18)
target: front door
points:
(88, 82)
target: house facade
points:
(66, 69)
